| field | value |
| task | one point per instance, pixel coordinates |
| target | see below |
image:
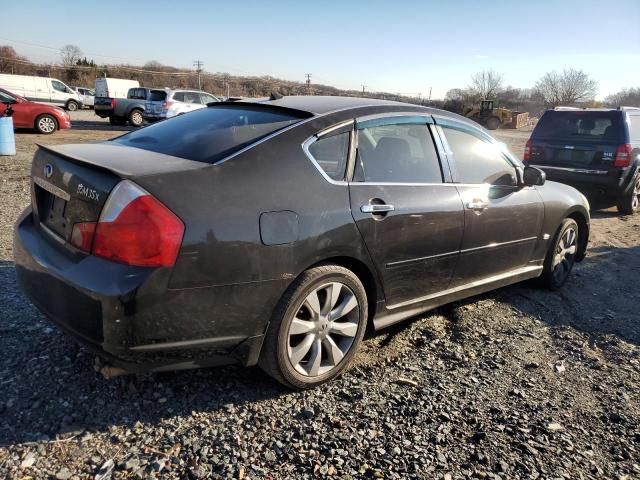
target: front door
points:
(503, 220)
(411, 220)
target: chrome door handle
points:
(477, 205)
(377, 208)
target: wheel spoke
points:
(313, 303)
(333, 293)
(333, 351)
(299, 326)
(571, 250)
(315, 359)
(349, 303)
(300, 350)
(346, 329)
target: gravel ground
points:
(518, 383)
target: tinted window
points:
(59, 86)
(192, 97)
(478, 161)
(397, 153)
(178, 97)
(577, 125)
(5, 97)
(331, 154)
(210, 134)
(138, 93)
(208, 98)
(157, 96)
(634, 130)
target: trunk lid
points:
(71, 183)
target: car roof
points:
(320, 105)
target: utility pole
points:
(226, 83)
(363, 87)
(198, 64)
(430, 88)
(308, 75)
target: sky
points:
(410, 47)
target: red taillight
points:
(113, 103)
(136, 229)
(167, 104)
(623, 156)
(527, 151)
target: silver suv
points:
(167, 103)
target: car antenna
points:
(275, 96)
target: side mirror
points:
(533, 176)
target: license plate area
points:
(51, 210)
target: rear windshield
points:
(210, 134)
(157, 95)
(577, 125)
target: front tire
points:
(561, 255)
(72, 105)
(316, 328)
(630, 203)
(493, 123)
(46, 124)
(135, 117)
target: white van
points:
(114, 87)
(41, 90)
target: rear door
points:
(503, 220)
(405, 207)
(578, 147)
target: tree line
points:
(571, 87)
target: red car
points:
(42, 118)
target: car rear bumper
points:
(154, 117)
(103, 111)
(610, 182)
(128, 316)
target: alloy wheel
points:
(324, 329)
(635, 199)
(46, 124)
(565, 254)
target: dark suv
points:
(596, 151)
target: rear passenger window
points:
(178, 96)
(634, 129)
(191, 97)
(477, 160)
(331, 154)
(397, 153)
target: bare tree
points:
(486, 84)
(629, 97)
(70, 55)
(9, 59)
(567, 88)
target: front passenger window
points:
(479, 161)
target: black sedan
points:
(273, 232)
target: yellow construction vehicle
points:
(493, 118)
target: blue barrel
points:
(7, 137)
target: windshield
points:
(211, 134)
(6, 97)
(580, 125)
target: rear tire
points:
(316, 329)
(46, 124)
(493, 123)
(561, 255)
(630, 203)
(72, 105)
(135, 117)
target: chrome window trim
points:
(305, 148)
(333, 128)
(574, 170)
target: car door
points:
(407, 211)
(59, 93)
(503, 219)
(192, 100)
